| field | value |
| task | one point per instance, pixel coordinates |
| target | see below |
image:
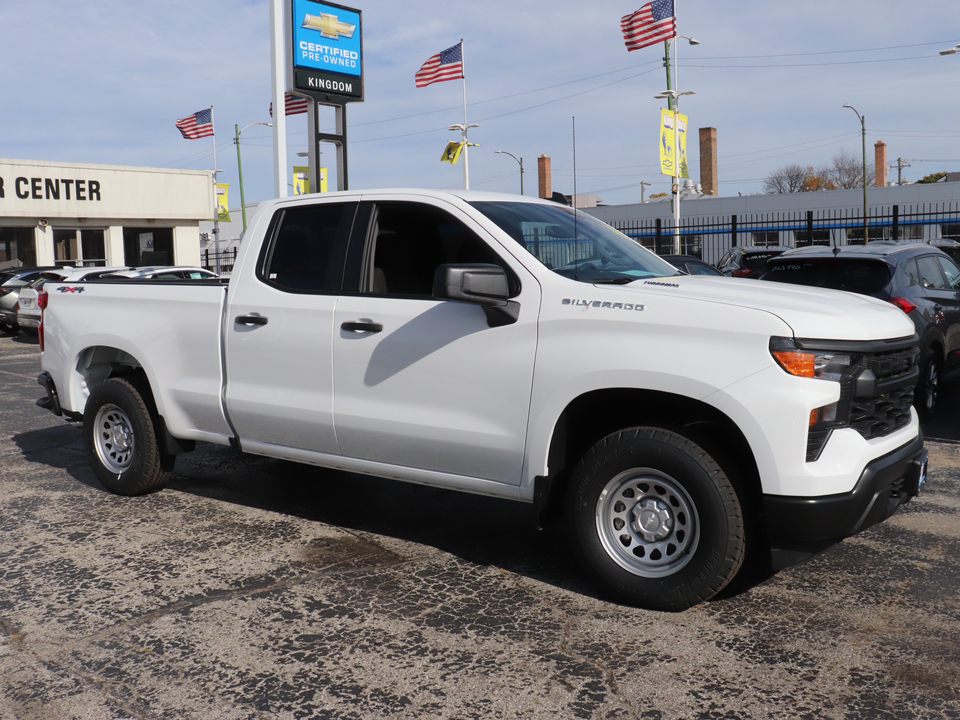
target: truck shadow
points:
(481, 530)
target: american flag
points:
(652, 23)
(292, 104)
(198, 125)
(446, 65)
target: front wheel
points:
(655, 520)
(927, 391)
(121, 440)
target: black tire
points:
(927, 392)
(120, 437)
(692, 541)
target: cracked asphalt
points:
(254, 588)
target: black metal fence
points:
(227, 258)
(709, 237)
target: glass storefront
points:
(147, 246)
(17, 247)
(85, 247)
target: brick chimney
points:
(709, 179)
(880, 161)
(544, 177)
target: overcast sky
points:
(104, 82)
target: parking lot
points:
(255, 588)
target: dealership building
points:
(101, 215)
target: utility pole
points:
(643, 186)
(900, 166)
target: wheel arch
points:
(595, 414)
(98, 363)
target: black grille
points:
(891, 365)
(881, 415)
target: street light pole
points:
(675, 97)
(463, 127)
(519, 160)
(863, 134)
(243, 202)
(673, 102)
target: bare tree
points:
(843, 172)
(846, 171)
(788, 179)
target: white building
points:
(101, 215)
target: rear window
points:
(757, 262)
(866, 277)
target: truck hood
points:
(809, 311)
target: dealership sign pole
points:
(325, 63)
(277, 67)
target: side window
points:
(308, 248)
(930, 277)
(913, 273)
(410, 241)
(951, 272)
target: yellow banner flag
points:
(673, 131)
(301, 180)
(452, 152)
(223, 203)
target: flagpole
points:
(216, 201)
(466, 145)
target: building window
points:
(148, 246)
(766, 239)
(855, 235)
(950, 231)
(911, 233)
(803, 238)
(81, 248)
(17, 247)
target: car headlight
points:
(820, 364)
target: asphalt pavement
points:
(255, 588)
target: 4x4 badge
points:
(66, 289)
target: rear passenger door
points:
(279, 364)
(422, 383)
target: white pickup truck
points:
(510, 347)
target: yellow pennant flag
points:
(452, 152)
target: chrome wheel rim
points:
(930, 389)
(113, 438)
(647, 523)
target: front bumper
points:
(799, 527)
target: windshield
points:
(574, 244)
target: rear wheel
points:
(121, 440)
(656, 521)
(927, 392)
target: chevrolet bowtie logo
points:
(329, 26)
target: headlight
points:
(822, 364)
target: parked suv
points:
(748, 262)
(918, 278)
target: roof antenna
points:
(576, 234)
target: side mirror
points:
(480, 284)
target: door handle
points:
(250, 320)
(362, 326)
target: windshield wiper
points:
(614, 281)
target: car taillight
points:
(902, 303)
(5, 291)
(42, 304)
(741, 272)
